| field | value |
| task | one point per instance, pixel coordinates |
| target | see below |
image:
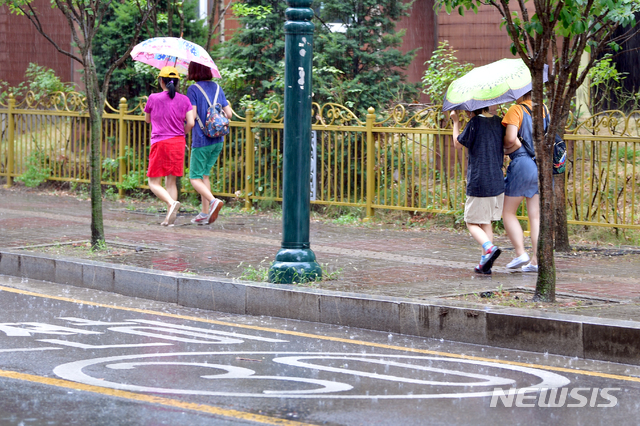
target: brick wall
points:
(478, 38)
(20, 44)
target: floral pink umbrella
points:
(177, 52)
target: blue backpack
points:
(216, 123)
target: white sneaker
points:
(201, 219)
(214, 208)
(530, 268)
(518, 261)
(172, 214)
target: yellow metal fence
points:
(405, 161)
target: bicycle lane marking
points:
(325, 389)
(328, 338)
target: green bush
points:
(442, 68)
(36, 172)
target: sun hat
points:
(169, 71)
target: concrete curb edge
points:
(561, 334)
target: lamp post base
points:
(293, 266)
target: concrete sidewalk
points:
(402, 280)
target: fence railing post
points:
(11, 124)
(122, 165)
(371, 159)
(249, 159)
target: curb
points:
(560, 334)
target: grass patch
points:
(518, 298)
(82, 249)
(260, 272)
(600, 235)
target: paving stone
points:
(10, 264)
(37, 268)
(212, 294)
(360, 312)
(533, 333)
(146, 284)
(444, 322)
(615, 342)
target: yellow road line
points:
(332, 339)
(151, 399)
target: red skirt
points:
(166, 157)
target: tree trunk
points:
(211, 23)
(221, 12)
(95, 105)
(155, 22)
(180, 11)
(561, 240)
(170, 18)
(546, 283)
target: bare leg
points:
(512, 225)
(155, 184)
(202, 186)
(172, 189)
(488, 229)
(481, 232)
(166, 195)
(533, 210)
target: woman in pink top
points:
(167, 112)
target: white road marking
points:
(334, 389)
(87, 346)
(204, 330)
(28, 350)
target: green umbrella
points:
(496, 83)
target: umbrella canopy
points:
(176, 52)
(502, 81)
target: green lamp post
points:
(295, 262)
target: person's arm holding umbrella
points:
(456, 128)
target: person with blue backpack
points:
(521, 183)
(205, 149)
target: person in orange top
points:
(521, 183)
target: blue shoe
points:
(487, 260)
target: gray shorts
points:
(483, 210)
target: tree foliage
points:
(555, 33)
(360, 67)
(116, 34)
(442, 68)
(84, 18)
(39, 80)
(367, 53)
(255, 50)
(608, 89)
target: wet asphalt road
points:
(78, 356)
